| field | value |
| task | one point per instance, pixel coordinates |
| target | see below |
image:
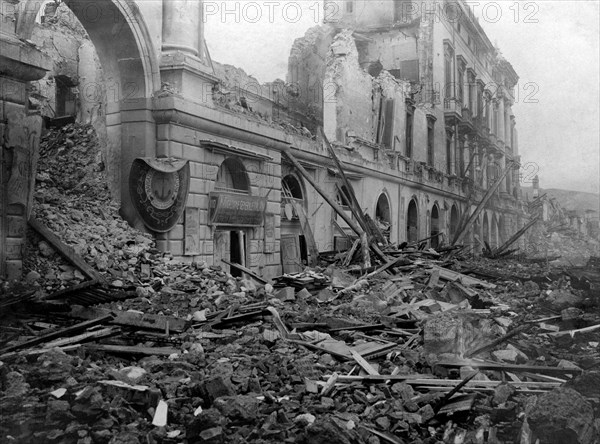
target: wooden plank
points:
(387, 266)
(452, 383)
(66, 251)
(384, 436)
(380, 378)
(133, 350)
(246, 271)
(306, 230)
(574, 332)
(363, 363)
(287, 152)
(96, 320)
(131, 319)
(103, 333)
(350, 253)
(509, 367)
(514, 238)
(36, 352)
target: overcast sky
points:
(553, 46)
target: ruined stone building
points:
(420, 101)
(415, 100)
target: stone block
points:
(562, 416)
(176, 247)
(215, 388)
(286, 294)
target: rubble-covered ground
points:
(169, 353)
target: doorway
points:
(230, 246)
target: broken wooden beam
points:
(509, 367)
(287, 152)
(246, 271)
(132, 319)
(97, 320)
(66, 251)
(133, 350)
(515, 237)
(363, 363)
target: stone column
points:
(20, 130)
(181, 26)
(184, 66)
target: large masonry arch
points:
(131, 72)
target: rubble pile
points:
(429, 347)
(374, 364)
(73, 201)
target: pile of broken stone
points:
(429, 354)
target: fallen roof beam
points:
(515, 237)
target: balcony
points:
(467, 124)
(452, 111)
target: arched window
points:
(291, 187)
(382, 211)
(435, 227)
(232, 177)
(383, 216)
(412, 222)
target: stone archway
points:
(295, 237)
(129, 60)
(383, 215)
(434, 227)
(412, 222)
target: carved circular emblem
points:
(161, 188)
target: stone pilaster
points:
(20, 130)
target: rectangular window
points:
(350, 7)
(460, 85)
(430, 140)
(472, 103)
(448, 71)
(409, 133)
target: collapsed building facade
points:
(416, 103)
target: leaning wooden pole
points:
(351, 194)
(515, 237)
(463, 231)
(286, 151)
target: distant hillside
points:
(570, 200)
